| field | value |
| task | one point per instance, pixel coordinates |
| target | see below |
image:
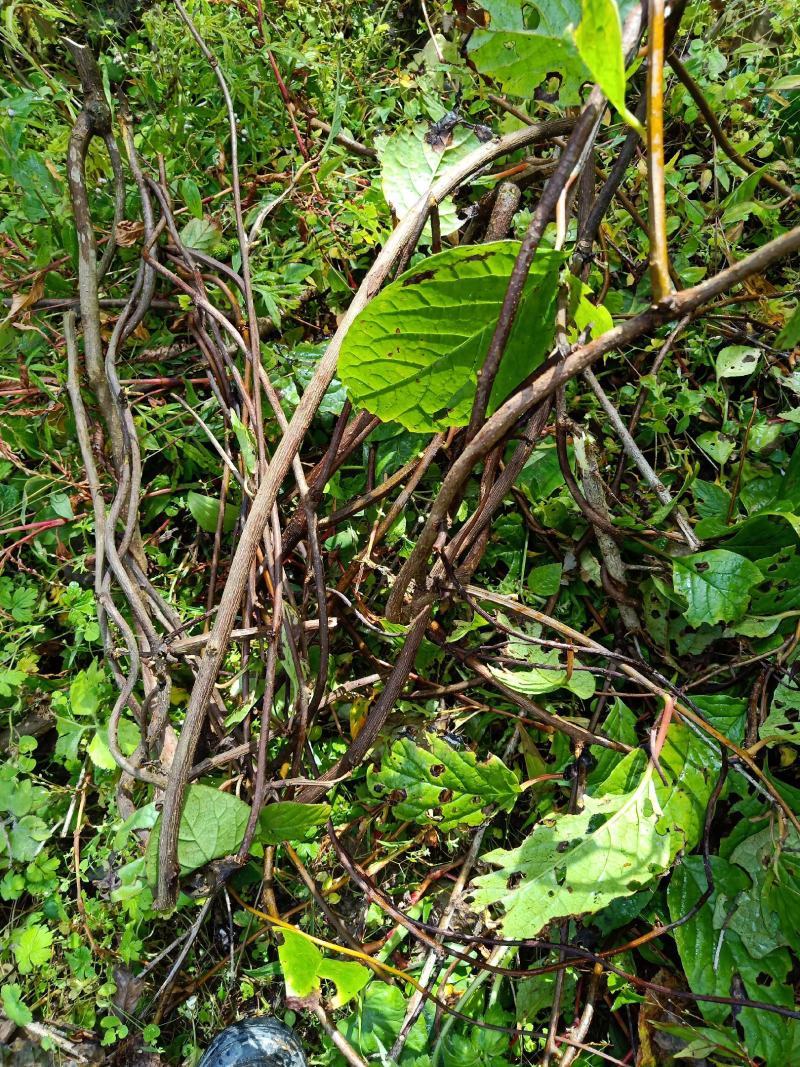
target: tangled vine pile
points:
(399, 571)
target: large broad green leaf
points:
(599, 43)
(440, 784)
(286, 820)
(412, 356)
(622, 840)
(212, 825)
(523, 43)
(713, 954)
(410, 165)
(716, 585)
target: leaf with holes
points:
(440, 784)
(522, 44)
(713, 955)
(782, 724)
(622, 840)
(737, 361)
(412, 356)
(715, 584)
(577, 864)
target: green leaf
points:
(247, 444)
(205, 511)
(143, 818)
(789, 337)
(577, 864)
(715, 584)
(717, 445)
(410, 165)
(524, 43)
(13, 1006)
(98, 749)
(599, 43)
(586, 313)
(26, 837)
(440, 784)
(785, 703)
(413, 354)
(202, 234)
(212, 825)
(85, 692)
(19, 600)
(755, 918)
(378, 1021)
(539, 680)
(737, 361)
(725, 712)
(619, 725)
(545, 580)
(192, 199)
(546, 674)
(286, 820)
(33, 948)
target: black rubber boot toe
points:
(255, 1043)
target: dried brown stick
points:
(583, 132)
(93, 121)
(280, 463)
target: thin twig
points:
(636, 454)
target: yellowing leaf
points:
(409, 166)
(303, 966)
(622, 840)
